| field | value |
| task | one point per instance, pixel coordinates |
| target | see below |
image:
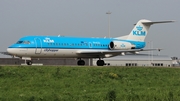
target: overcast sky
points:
(88, 18)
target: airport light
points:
(109, 21)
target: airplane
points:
(29, 47)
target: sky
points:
(88, 18)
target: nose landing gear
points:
(29, 62)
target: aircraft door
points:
(38, 45)
(90, 45)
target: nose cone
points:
(11, 51)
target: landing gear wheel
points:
(29, 62)
(81, 62)
(100, 63)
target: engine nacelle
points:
(118, 45)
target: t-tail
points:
(140, 30)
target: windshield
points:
(26, 42)
(19, 42)
(23, 42)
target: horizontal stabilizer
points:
(158, 22)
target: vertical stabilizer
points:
(140, 30)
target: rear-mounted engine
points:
(118, 45)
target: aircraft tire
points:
(100, 63)
(29, 62)
(81, 63)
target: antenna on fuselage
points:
(59, 35)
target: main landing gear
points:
(100, 62)
(82, 62)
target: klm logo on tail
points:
(139, 31)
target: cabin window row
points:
(66, 44)
(74, 44)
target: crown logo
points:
(139, 28)
(122, 45)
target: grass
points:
(74, 83)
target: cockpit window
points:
(19, 42)
(26, 42)
(23, 42)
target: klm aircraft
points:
(29, 47)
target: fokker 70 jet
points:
(29, 47)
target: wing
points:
(110, 53)
(5, 53)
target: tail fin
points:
(140, 30)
